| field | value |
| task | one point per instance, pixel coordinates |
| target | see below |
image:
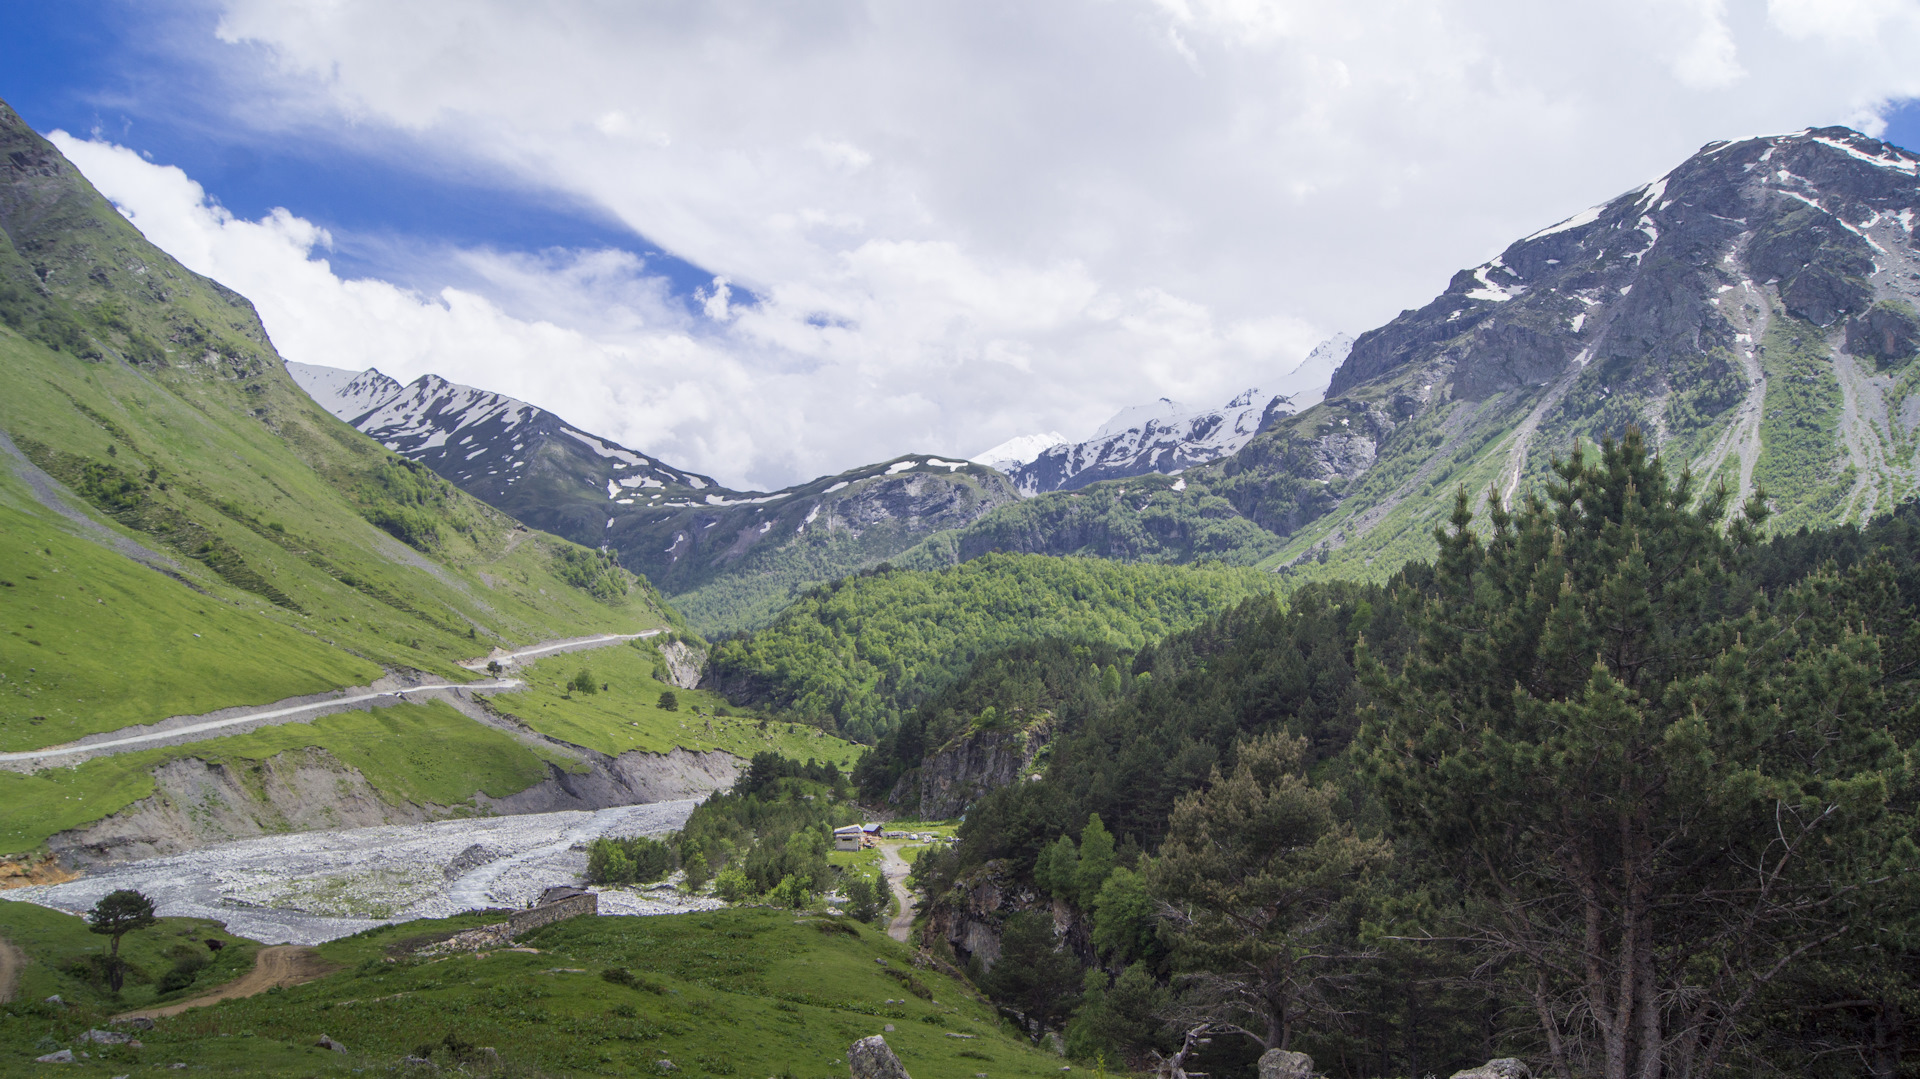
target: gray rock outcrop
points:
(1501, 1068)
(978, 762)
(872, 1058)
(1284, 1064)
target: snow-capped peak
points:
(1018, 450)
(1306, 385)
(1165, 411)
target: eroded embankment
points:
(197, 803)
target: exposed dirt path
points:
(895, 868)
(12, 959)
(281, 965)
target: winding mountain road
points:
(571, 644)
(196, 728)
(336, 704)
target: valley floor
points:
(311, 887)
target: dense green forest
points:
(851, 656)
(1611, 786)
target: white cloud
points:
(977, 218)
(816, 379)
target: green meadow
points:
(733, 993)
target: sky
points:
(767, 241)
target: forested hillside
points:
(851, 656)
(1608, 752)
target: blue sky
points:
(767, 242)
(151, 78)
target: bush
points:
(637, 860)
(866, 897)
(583, 682)
(733, 886)
(669, 701)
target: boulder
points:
(64, 1056)
(1501, 1068)
(1283, 1064)
(872, 1058)
(106, 1037)
(328, 1043)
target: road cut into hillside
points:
(554, 648)
(311, 887)
(393, 689)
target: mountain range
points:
(1752, 311)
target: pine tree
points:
(1658, 790)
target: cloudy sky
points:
(772, 240)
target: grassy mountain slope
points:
(625, 715)
(153, 397)
(853, 655)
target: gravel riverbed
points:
(310, 887)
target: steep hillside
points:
(185, 530)
(854, 655)
(728, 559)
(1753, 311)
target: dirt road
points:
(895, 868)
(281, 965)
(547, 648)
(253, 716)
(11, 960)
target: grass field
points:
(93, 641)
(736, 993)
(627, 714)
(419, 753)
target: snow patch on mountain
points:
(1164, 436)
(1018, 450)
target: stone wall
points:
(526, 921)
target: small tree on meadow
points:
(116, 915)
(669, 701)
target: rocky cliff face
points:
(962, 772)
(972, 916)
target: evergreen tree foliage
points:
(1660, 789)
(1264, 879)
